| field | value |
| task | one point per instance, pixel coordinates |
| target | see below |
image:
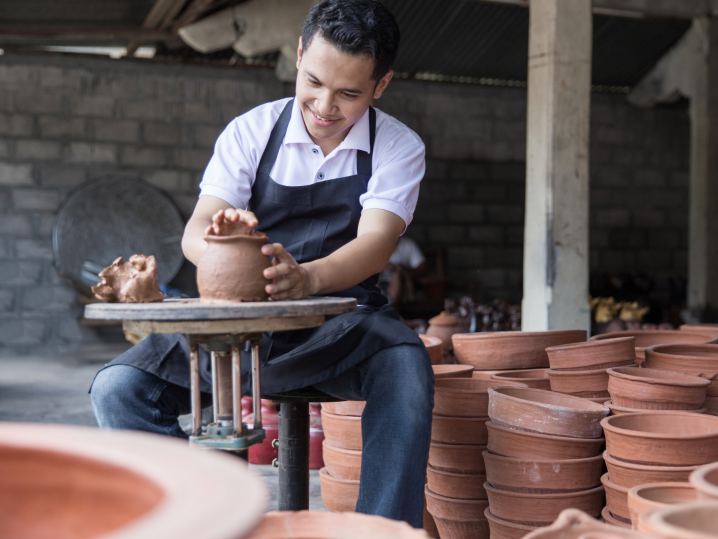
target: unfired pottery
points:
(134, 281)
(663, 438)
(541, 509)
(651, 337)
(342, 431)
(592, 354)
(586, 384)
(536, 378)
(503, 529)
(452, 371)
(466, 459)
(352, 408)
(530, 445)
(629, 474)
(458, 519)
(542, 476)
(613, 521)
(342, 463)
(434, 347)
(456, 485)
(443, 326)
(697, 520)
(546, 412)
(616, 499)
(465, 397)
(697, 359)
(618, 410)
(653, 389)
(338, 494)
(504, 350)
(655, 495)
(575, 524)
(705, 481)
(459, 430)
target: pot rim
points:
(532, 495)
(429, 467)
(608, 404)
(455, 418)
(606, 424)
(591, 343)
(607, 457)
(636, 491)
(609, 518)
(607, 483)
(692, 382)
(473, 391)
(351, 452)
(602, 439)
(460, 446)
(699, 481)
(657, 517)
(459, 501)
(642, 332)
(577, 374)
(259, 238)
(523, 335)
(324, 473)
(541, 371)
(544, 461)
(345, 417)
(507, 523)
(433, 340)
(579, 400)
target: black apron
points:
(311, 222)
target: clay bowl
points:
(457, 518)
(328, 525)
(434, 347)
(575, 524)
(338, 494)
(592, 355)
(662, 438)
(618, 410)
(701, 328)
(613, 521)
(459, 430)
(452, 371)
(653, 389)
(542, 476)
(352, 408)
(629, 475)
(705, 481)
(541, 509)
(591, 384)
(711, 405)
(503, 350)
(697, 359)
(655, 495)
(536, 378)
(429, 524)
(616, 499)
(535, 410)
(503, 529)
(464, 397)
(652, 337)
(697, 520)
(342, 431)
(467, 459)
(466, 486)
(531, 445)
(341, 463)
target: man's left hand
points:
(290, 280)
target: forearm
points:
(193, 244)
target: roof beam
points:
(668, 9)
(97, 34)
(162, 14)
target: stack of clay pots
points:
(651, 337)
(443, 326)
(543, 456)
(434, 345)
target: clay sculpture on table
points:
(134, 281)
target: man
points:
(333, 183)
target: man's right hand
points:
(232, 222)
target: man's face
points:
(334, 89)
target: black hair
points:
(356, 27)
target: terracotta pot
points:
(443, 326)
(503, 529)
(575, 524)
(510, 349)
(536, 378)
(663, 438)
(452, 371)
(651, 337)
(342, 431)
(597, 400)
(586, 384)
(697, 359)
(352, 408)
(705, 481)
(535, 410)
(464, 397)
(327, 525)
(342, 463)
(543, 476)
(458, 519)
(434, 347)
(711, 405)
(530, 445)
(459, 430)
(613, 521)
(465, 486)
(618, 410)
(592, 354)
(697, 520)
(338, 494)
(231, 267)
(701, 328)
(541, 509)
(629, 475)
(486, 375)
(616, 498)
(653, 389)
(655, 495)
(429, 524)
(467, 459)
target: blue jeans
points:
(397, 384)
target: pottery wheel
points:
(117, 216)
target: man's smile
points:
(321, 121)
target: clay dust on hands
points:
(134, 281)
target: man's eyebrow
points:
(348, 90)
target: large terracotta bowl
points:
(342, 431)
(536, 378)
(61, 482)
(457, 458)
(503, 529)
(629, 474)
(456, 517)
(452, 371)
(546, 412)
(711, 404)
(341, 463)
(466, 486)
(653, 389)
(618, 410)
(460, 397)
(504, 350)
(705, 481)
(338, 494)
(697, 520)
(434, 347)
(656, 495)
(351, 408)
(662, 438)
(531, 445)
(591, 384)
(652, 337)
(594, 354)
(616, 499)
(697, 359)
(701, 328)
(459, 430)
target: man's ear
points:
(299, 52)
(382, 84)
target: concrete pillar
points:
(555, 276)
(711, 176)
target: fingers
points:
(279, 252)
(247, 217)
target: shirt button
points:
(320, 176)
(315, 151)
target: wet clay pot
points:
(662, 438)
(613, 521)
(541, 509)
(656, 495)
(342, 431)
(342, 463)
(338, 494)
(629, 475)
(456, 485)
(616, 499)
(467, 459)
(459, 430)
(697, 520)
(618, 410)
(452, 371)
(536, 378)
(586, 384)
(711, 405)
(530, 445)
(651, 337)
(502, 350)
(231, 268)
(443, 326)
(458, 519)
(545, 412)
(542, 476)
(464, 397)
(434, 347)
(503, 529)
(592, 355)
(653, 389)
(352, 408)
(705, 481)
(697, 359)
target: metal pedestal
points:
(293, 491)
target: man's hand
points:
(290, 280)
(232, 222)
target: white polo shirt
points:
(397, 164)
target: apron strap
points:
(363, 158)
(275, 140)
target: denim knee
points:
(406, 369)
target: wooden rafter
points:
(98, 34)
(161, 16)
